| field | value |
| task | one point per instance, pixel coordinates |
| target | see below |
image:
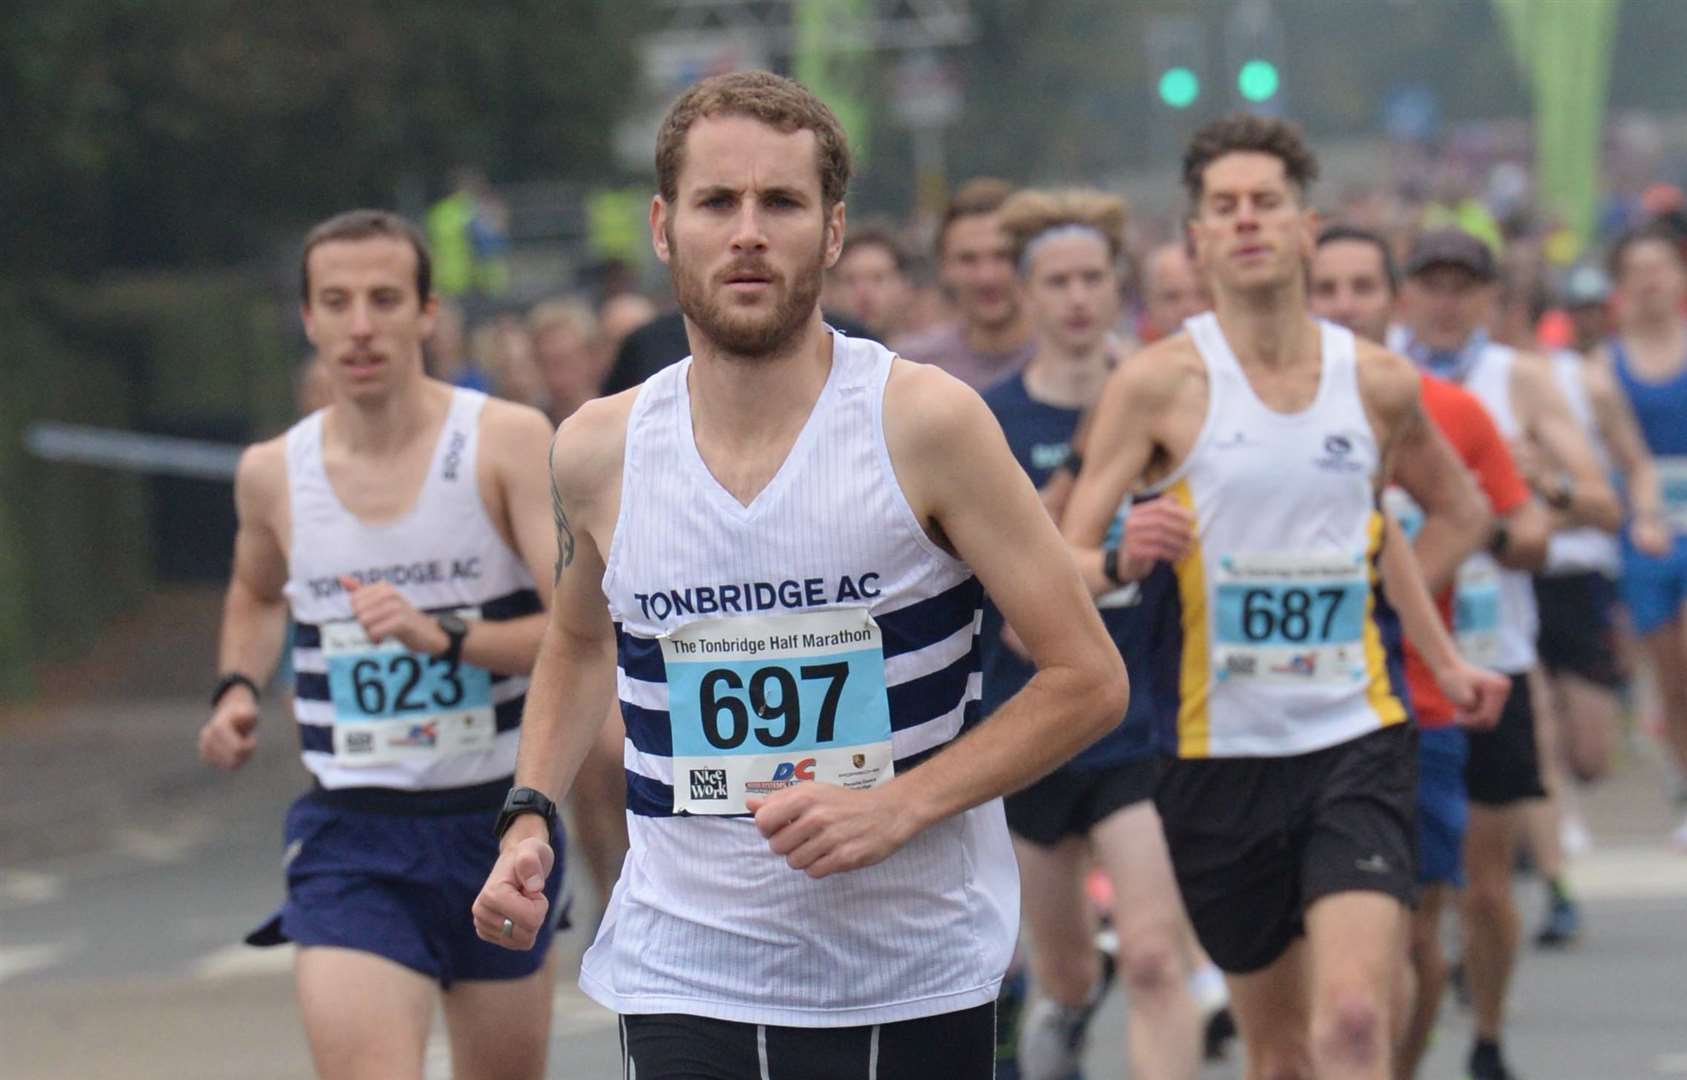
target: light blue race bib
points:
(758, 703)
(393, 705)
(1290, 618)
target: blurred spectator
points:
(503, 349)
(1587, 300)
(870, 282)
(619, 315)
(468, 236)
(1171, 291)
(992, 337)
(569, 359)
(446, 350)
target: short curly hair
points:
(1245, 133)
(778, 102)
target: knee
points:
(1067, 975)
(1351, 1028)
(1487, 896)
(1152, 968)
(1282, 1064)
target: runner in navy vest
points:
(1098, 806)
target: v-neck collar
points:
(793, 456)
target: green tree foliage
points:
(197, 131)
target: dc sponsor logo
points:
(360, 742)
(1303, 664)
(785, 774)
(1240, 665)
(424, 736)
(708, 784)
(1338, 455)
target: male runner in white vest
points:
(404, 528)
(1267, 434)
(773, 556)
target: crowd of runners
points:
(905, 695)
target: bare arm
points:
(1118, 453)
(1456, 518)
(960, 477)
(1551, 425)
(1640, 476)
(573, 683)
(254, 608)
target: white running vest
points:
(1494, 614)
(372, 714)
(818, 633)
(1275, 630)
(1587, 548)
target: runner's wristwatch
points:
(456, 630)
(524, 800)
(229, 682)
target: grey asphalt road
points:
(128, 874)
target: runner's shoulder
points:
(1388, 382)
(260, 478)
(1152, 377)
(510, 430)
(589, 447)
(926, 406)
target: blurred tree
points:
(201, 130)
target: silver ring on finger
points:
(508, 929)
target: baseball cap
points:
(1451, 247)
(1587, 285)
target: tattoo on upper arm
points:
(564, 534)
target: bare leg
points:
(1273, 1010)
(1355, 944)
(366, 1017)
(1490, 917)
(500, 1030)
(1430, 968)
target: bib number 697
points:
(772, 694)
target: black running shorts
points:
(676, 1046)
(1256, 841)
(1071, 802)
(1576, 635)
(1503, 766)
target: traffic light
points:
(1177, 59)
(1253, 53)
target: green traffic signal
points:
(1179, 87)
(1258, 80)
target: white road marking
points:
(23, 959)
(19, 888)
(232, 961)
(1630, 873)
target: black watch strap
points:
(455, 631)
(229, 682)
(524, 800)
(1110, 565)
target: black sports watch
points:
(455, 629)
(524, 800)
(229, 682)
(1110, 565)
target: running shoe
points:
(1563, 925)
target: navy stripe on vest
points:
(641, 658)
(320, 737)
(509, 606)
(930, 696)
(647, 797)
(931, 620)
(648, 729)
(969, 720)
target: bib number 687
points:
(772, 694)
